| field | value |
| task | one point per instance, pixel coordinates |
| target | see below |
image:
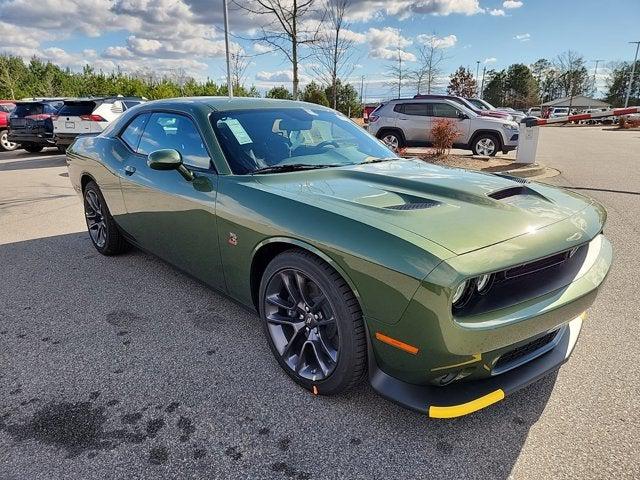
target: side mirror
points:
(169, 159)
(462, 115)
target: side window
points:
(419, 109)
(399, 108)
(177, 132)
(133, 132)
(444, 110)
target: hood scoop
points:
(515, 192)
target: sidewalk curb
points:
(534, 170)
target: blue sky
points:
(168, 36)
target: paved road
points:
(125, 368)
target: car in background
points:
(534, 112)
(467, 104)
(486, 106)
(408, 122)
(6, 107)
(558, 112)
(88, 116)
(30, 123)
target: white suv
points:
(88, 115)
(405, 122)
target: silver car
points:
(407, 123)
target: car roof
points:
(103, 99)
(223, 104)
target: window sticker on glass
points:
(238, 130)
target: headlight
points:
(509, 126)
(460, 291)
(483, 283)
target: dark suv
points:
(30, 123)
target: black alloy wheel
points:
(302, 325)
(313, 323)
(103, 230)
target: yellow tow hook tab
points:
(315, 390)
(466, 408)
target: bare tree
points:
(333, 50)
(239, 65)
(396, 73)
(285, 28)
(430, 58)
(572, 74)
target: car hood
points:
(458, 209)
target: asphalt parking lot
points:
(123, 367)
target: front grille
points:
(537, 265)
(524, 353)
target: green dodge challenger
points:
(448, 289)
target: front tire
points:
(33, 148)
(485, 145)
(313, 323)
(5, 144)
(103, 230)
(392, 139)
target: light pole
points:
(484, 72)
(477, 72)
(633, 72)
(226, 46)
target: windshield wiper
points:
(292, 168)
(380, 160)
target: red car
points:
(6, 106)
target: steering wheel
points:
(327, 143)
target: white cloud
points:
(389, 54)
(497, 12)
(523, 37)
(490, 60)
(447, 41)
(512, 4)
(278, 76)
(387, 37)
(261, 48)
(365, 10)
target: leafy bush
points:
(444, 133)
(629, 122)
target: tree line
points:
(521, 86)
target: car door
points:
(415, 122)
(166, 214)
(443, 110)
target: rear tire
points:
(5, 144)
(486, 145)
(103, 230)
(33, 148)
(322, 355)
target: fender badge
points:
(233, 239)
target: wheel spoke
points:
(277, 319)
(291, 288)
(278, 301)
(324, 323)
(317, 348)
(292, 340)
(300, 283)
(318, 302)
(300, 361)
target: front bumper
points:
(463, 398)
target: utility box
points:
(527, 142)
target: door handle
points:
(129, 170)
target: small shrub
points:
(444, 133)
(629, 122)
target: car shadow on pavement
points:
(125, 361)
(45, 161)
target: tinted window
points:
(52, 108)
(444, 110)
(76, 109)
(420, 109)
(255, 139)
(398, 108)
(133, 132)
(25, 109)
(169, 130)
(131, 103)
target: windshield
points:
(255, 140)
(479, 104)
